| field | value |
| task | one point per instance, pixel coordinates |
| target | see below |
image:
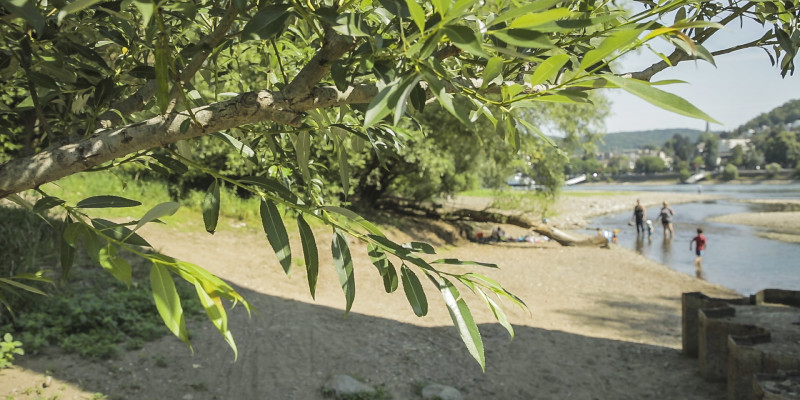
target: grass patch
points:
(150, 193)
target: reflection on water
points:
(736, 256)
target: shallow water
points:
(736, 256)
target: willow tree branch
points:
(300, 88)
(57, 162)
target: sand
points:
(600, 324)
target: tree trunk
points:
(559, 236)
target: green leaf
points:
(107, 202)
(498, 312)
(414, 292)
(271, 185)
(266, 23)
(529, 8)
(446, 100)
(276, 233)
(27, 288)
(240, 147)
(46, 203)
(548, 69)
(158, 211)
(494, 69)
(384, 266)
(147, 8)
(27, 10)
(174, 165)
(216, 313)
(462, 319)
(119, 232)
(352, 216)
(399, 99)
(379, 107)
(302, 148)
(167, 301)
(211, 207)
(465, 39)
(343, 263)
(352, 25)
(309, 253)
(67, 251)
(117, 266)
(441, 6)
(615, 42)
(162, 62)
(660, 98)
(75, 6)
(455, 261)
(524, 38)
(344, 172)
(417, 14)
(539, 18)
(419, 247)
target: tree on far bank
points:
(650, 164)
(296, 89)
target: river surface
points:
(736, 256)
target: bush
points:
(684, 174)
(730, 172)
(797, 170)
(773, 169)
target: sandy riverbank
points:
(602, 324)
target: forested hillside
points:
(640, 139)
(777, 117)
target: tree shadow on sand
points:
(288, 349)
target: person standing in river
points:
(699, 250)
(666, 219)
(639, 213)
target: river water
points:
(736, 256)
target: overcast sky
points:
(743, 85)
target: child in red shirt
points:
(699, 249)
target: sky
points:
(743, 85)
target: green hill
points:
(640, 139)
(786, 113)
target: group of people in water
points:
(645, 226)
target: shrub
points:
(730, 172)
(773, 169)
(684, 174)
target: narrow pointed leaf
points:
(276, 233)
(455, 261)
(532, 7)
(159, 210)
(494, 69)
(119, 232)
(548, 69)
(218, 316)
(384, 266)
(660, 98)
(615, 42)
(167, 301)
(67, 256)
(22, 286)
(107, 202)
(27, 10)
(417, 14)
(309, 253)
(465, 39)
(524, 38)
(498, 312)
(115, 265)
(211, 207)
(414, 292)
(46, 203)
(343, 263)
(162, 61)
(266, 23)
(420, 247)
(462, 319)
